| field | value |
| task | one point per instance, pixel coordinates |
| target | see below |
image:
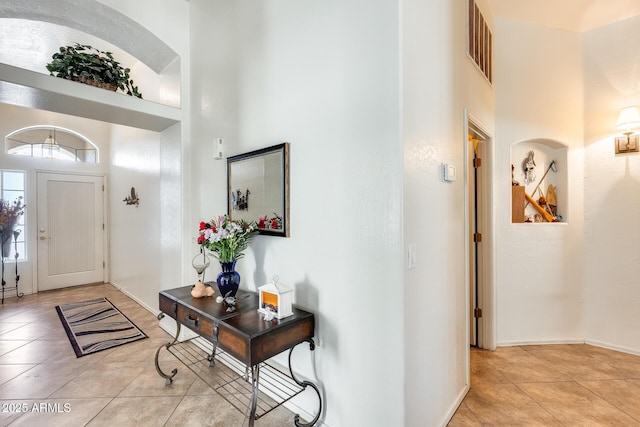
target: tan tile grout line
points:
(516, 385)
(571, 379)
(593, 392)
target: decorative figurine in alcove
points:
(514, 181)
(529, 168)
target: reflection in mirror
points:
(258, 188)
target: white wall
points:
(167, 20)
(145, 239)
(146, 242)
(325, 77)
(135, 231)
(539, 94)
(612, 185)
(439, 82)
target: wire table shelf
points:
(231, 379)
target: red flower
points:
(262, 223)
(274, 223)
(203, 225)
(201, 239)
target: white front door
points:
(70, 230)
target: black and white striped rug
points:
(96, 325)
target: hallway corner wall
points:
(612, 187)
(539, 95)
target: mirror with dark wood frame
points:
(258, 188)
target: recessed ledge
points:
(29, 89)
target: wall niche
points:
(539, 187)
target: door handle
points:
(43, 238)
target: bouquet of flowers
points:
(9, 214)
(226, 238)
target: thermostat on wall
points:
(217, 148)
(449, 172)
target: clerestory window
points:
(51, 142)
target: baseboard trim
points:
(154, 311)
(455, 406)
(614, 347)
(595, 343)
(541, 342)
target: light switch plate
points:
(448, 172)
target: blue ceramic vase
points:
(228, 280)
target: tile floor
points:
(563, 385)
(43, 383)
(551, 385)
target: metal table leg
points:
(304, 384)
(168, 378)
(255, 379)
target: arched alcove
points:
(32, 31)
(95, 18)
(540, 181)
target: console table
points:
(239, 336)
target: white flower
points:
(209, 235)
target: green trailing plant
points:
(89, 65)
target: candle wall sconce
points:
(628, 120)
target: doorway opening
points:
(479, 241)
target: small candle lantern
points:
(275, 298)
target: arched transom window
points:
(51, 142)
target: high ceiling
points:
(572, 15)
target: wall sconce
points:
(629, 119)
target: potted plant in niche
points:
(227, 239)
(86, 64)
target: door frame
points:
(488, 291)
(33, 228)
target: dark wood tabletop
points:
(243, 332)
